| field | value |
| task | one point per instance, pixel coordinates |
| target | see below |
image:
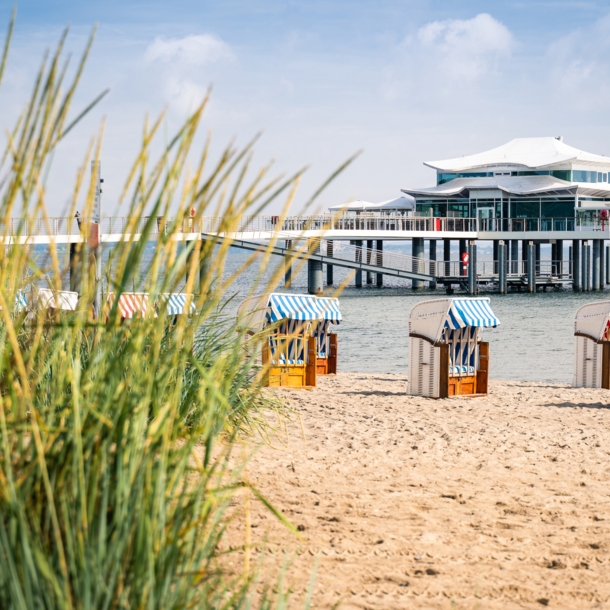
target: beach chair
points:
(175, 304)
(21, 302)
(446, 354)
(300, 344)
(131, 305)
(592, 346)
(56, 300)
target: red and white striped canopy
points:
(132, 305)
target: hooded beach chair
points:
(592, 346)
(300, 343)
(131, 305)
(446, 354)
(56, 300)
(175, 304)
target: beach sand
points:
(494, 502)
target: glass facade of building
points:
(563, 174)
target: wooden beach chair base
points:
(471, 385)
(291, 375)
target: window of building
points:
(605, 177)
(562, 174)
(525, 208)
(584, 176)
(443, 178)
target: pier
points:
(579, 251)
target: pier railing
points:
(55, 226)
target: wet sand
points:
(496, 502)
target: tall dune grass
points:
(116, 438)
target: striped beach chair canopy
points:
(430, 318)
(21, 302)
(175, 303)
(258, 311)
(61, 299)
(593, 321)
(132, 305)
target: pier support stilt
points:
(576, 279)
(559, 255)
(502, 256)
(432, 284)
(537, 248)
(463, 250)
(418, 261)
(514, 256)
(447, 256)
(358, 278)
(204, 266)
(369, 260)
(76, 266)
(496, 255)
(586, 267)
(330, 247)
(472, 267)
(531, 266)
(596, 265)
(314, 269)
(379, 262)
(602, 264)
(607, 264)
(288, 266)
(524, 256)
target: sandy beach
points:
(496, 502)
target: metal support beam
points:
(531, 266)
(463, 250)
(586, 267)
(314, 269)
(330, 280)
(432, 257)
(502, 264)
(447, 256)
(369, 259)
(596, 265)
(288, 266)
(575, 260)
(379, 261)
(358, 244)
(472, 267)
(418, 261)
(514, 256)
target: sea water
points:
(534, 341)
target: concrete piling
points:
(447, 256)
(379, 262)
(502, 277)
(314, 269)
(418, 261)
(329, 268)
(432, 284)
(576, 278)
(288, 266)
(358, 279)
(531, 266)
(369, 259)
(472, 267)
(596, 265)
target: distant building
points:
(526, 181)
(399, 206)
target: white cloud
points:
(580, 66)
(465, 48)
(193, 50)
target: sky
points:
(402, 81)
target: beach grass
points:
(118, 458)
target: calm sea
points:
(534, 341)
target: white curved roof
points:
(512, 185)
(535, 153)
(404, 202)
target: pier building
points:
(521, 196)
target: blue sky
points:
(403, 81)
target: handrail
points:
(321, 222)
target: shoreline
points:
(495, 502)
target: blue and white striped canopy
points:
(302, 307)
(174, 304)
(471, 312)
(21, 302)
